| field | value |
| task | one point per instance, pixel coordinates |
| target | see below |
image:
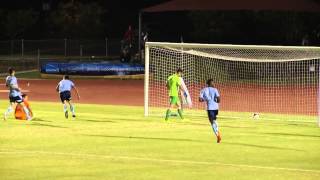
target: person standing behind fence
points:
(128, 36)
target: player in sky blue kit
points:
(64, 87)
(15, 96)
(211, 96)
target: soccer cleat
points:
(66, 114)
(219, 137)
(73, 115)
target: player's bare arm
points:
(76, 90)
(218, 99)
(167, 85)
(57, 88)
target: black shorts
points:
(65, 96)
(212, 115)
(16, 99)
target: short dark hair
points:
(66, 77)
(10, 70)
(179, 70)
(209, 81)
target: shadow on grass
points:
(38, 119)
(102, 121)
(300, 124)
(261, 146)
(289, 134)
(237, 127)
(143, 138)
(222, 126)
(46, 125)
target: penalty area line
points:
(82, 155)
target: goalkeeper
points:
(173, 85)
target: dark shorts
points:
(212, 115)
(16, 99)
(65, 96)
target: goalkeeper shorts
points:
(174, 100)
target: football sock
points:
(26, 110)
(215, 127)
(9, 110)
(65, 108)
(168, 114)
(72, 109)
(180, 113)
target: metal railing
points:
(25, 54)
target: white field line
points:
(20, 72)
(6, 91)
(82, 155)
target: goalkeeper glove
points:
(185, 94)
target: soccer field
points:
(118, 142)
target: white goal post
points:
(251, 78)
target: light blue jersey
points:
(210, 94)
(12, 83)
(65, 85)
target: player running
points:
(15, 96)
(64, 87)
(173, 85)
(211, 96)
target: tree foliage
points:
(18, 22)
(254, 27)
(77, 20)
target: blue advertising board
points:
(90, 68)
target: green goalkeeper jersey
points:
(173, 84)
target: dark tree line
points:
(69, 19)
(85, 19)
(262, 27)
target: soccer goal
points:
(280, 80)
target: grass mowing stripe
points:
(81, 155)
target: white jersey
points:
(65, 85)
(210, 94)
(186, 98)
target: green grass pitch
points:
(117, 142)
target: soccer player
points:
(211, 96)
(64, 87)
(173, 85)
(15, 96)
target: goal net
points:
(264, 79)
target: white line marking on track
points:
(6, 91)
(82, 155)
(20, 72)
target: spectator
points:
(305, 40)
(128, 36)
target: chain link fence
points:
(25, 55)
